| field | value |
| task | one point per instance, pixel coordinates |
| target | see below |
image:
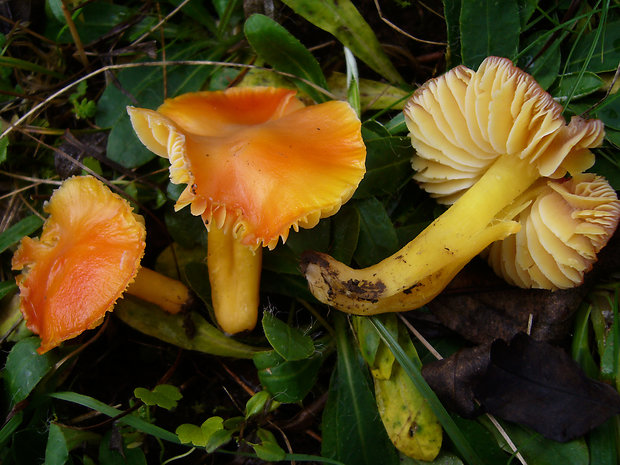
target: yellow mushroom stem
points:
(169, 294)
(415, 274)
(234, 274)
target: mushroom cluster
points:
(256, 162)
(482, 138)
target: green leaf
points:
(450, 427)
(6, 287)
(526, 10)
(378, 237)
(345, 233)
(538, 450)
(287, 382)
(144, 87)
(546, 66)
(199, 435)
(603, 446)
(151, 320)
(452, 13)
(131, 419)
(289, 342)
(579, 86)
(483, 22)
(609, 111)
(268, 450)
(388, 165)
(56, 450)
(4, 145)
(284, 52)
(25, 368)
(257, 404)
(606, 53)
(20, 229)
(352, 430)
(163, 395)
(341, 19)
(9, 427)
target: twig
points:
(395, 27)
(74, 34)
(107, 68)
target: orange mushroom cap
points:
(255, 160)
(462, 121)
(564, 225)
(89, 251)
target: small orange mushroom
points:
(256, 162)
(88, 254)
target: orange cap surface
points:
(255, 160)
(89, 251)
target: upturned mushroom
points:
(88, 253)
(256, 163)
(497, 131)
(564, 224)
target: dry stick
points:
(74, 34)
(168, 16)
(438, 356)
(395, 27)
(28, 178)
(104, 69)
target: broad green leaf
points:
(341, 19)
(186, 229)
(546, 66)
(150, 320)
(388, 165)
(317, 238)
(290, 343)
(483, 440)
(143, 87)
(163, 395)
(483, 22)
(20, 229)
(268, 449)
(25, 368)
(581, 342)
(583, 85)
(540, 451)
(345, 233)
(257, 404)
(603, 445)
(95, 20)
(131, 419)
(526, 10)
(377, 238)
(286, 381)
(352, 430)
(56, 450)
(452, 13)
(6, 287)
(606, 53)
(284, 52)
(607, 165)
(609, 111)
(199, 435)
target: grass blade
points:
(130, 420)
(450, 427)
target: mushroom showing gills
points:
(88, 254)
(565, 223)
(501, 129)
(256, 162)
